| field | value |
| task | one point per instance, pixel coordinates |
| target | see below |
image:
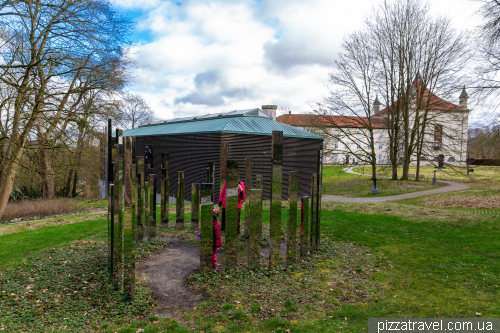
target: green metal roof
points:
(237, 125)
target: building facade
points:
(347, 139)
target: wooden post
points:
(139, 234)
(255, 229)
(152, 210)
(305, 236)
(180, 201)
(207, 239)
(291, 248)
(276, 189)
(231, 243)
(259, 183)
(164, 189)
(111, 223)
(314, 193)
(248, 186)
(319, 192)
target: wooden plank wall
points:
(190, 152)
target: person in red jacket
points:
(222, 202)
(217, 240)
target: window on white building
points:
(380, 158)
(359, 133)
(348, 132)
(347, 145)
(380, 145)
(335, 158)
(336, 144)
(358, 146)
(337, 132)
(381, 134)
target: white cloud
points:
(212, 56)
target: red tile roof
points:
(436, 103)
(312, 120)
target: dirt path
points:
(450, 187)
(166, 272)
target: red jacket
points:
(241, 195)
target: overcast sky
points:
(196, 57)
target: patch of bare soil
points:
(166, 272)
(492, 202)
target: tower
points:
(463, 99)
(376, 105)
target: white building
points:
(347, 139)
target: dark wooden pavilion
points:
(194, 141)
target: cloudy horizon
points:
(196, 57)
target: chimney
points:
(376, 105)
(463, 99)
(270, 110)
(289, 113)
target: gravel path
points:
(450, 187)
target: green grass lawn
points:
(338, 182)
(454, 173)
(375, 261)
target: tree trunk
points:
(47, 174)
(75, 181)
(68, 183)
(10, 174)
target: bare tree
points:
(406, 56)
(133, 111)
(39, 42)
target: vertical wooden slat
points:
(195, 207)
(314, 193)
(140, 194)
(255, 228)
(259, 183)
(206, 244)
(276, 189)
(231, 242)
(164, 189)
(146, 203)
(291, 248)
(305, 237)
(180, 201)
(248, 186)
(152, 210)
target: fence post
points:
(255, 228)
(152, 211)
(276, 189)
(305, 228)
(127, 171)
(207, 239)
(180, 201)
(164, 189)
(314, 226)
(195, 207)
(210, 172)
(231, 243)
(291, 248)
